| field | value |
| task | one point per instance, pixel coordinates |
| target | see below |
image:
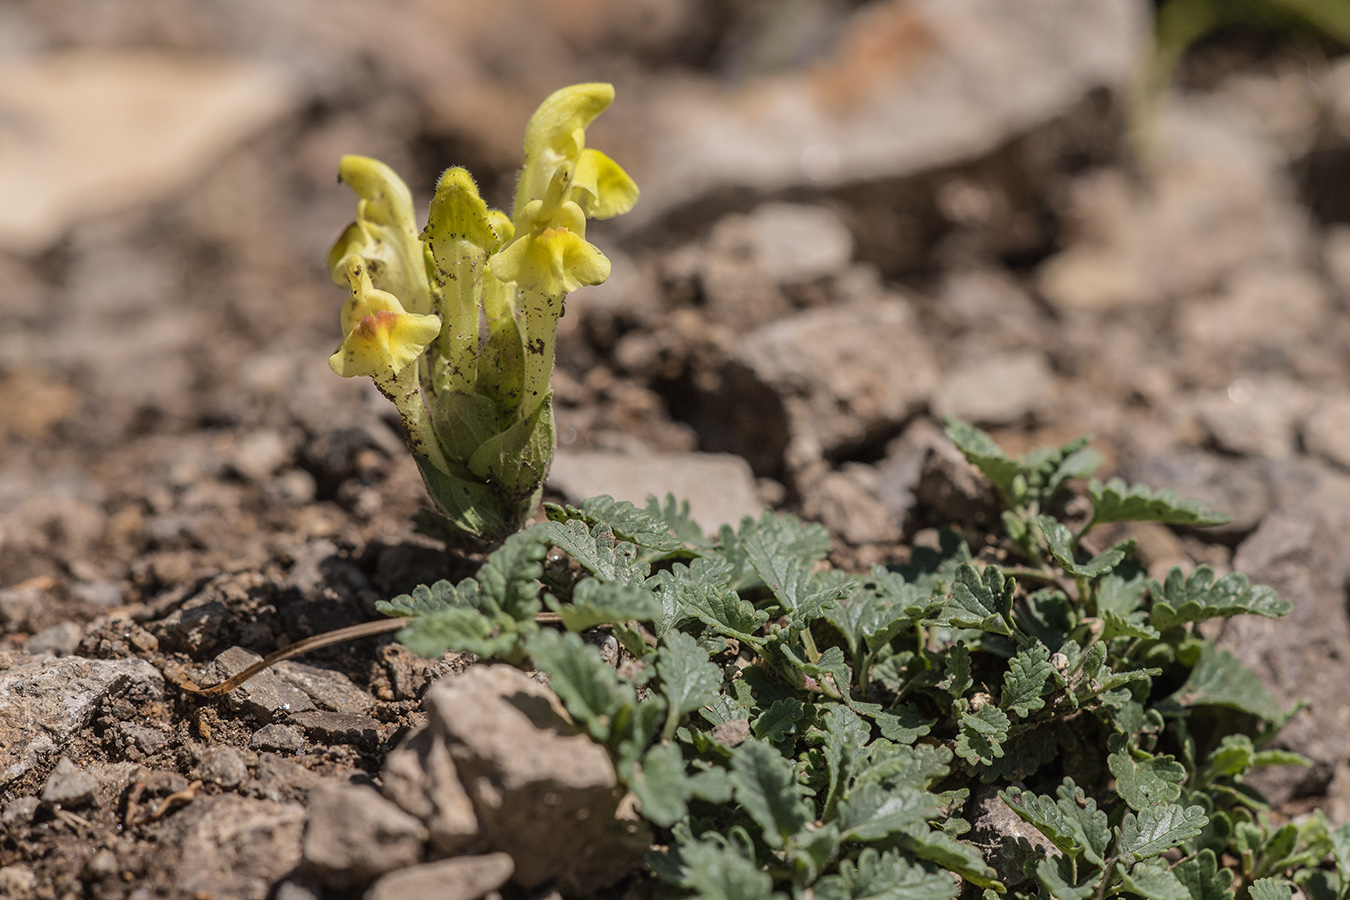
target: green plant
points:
(792, 728)
(456, 323)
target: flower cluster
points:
(456, 323)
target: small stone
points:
(329, 727)
(194, 627)
(328, 689)
(102, 865)
(1261, 307)
(1255, 418)
(19, 811)
(266, 695)
(278, 779)
(224, 765)
(259, 454)
(719, 487)
(420, 777)
(278, 738)
(794, 242)
(1326, 432)
(238, 846)
(17, 882)
(69, 786)
(464, 878)
(999, 389)
(139, 742)
(355, 835)
(542, 793)
(60, 639)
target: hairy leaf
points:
(1157, 829)
(884, 876)
(981, 450)
(1146, 782)
(1271, 889)
(1152, 879)
(767, 790)
(872, 812)
(628, 523)
(980, 601)
(1057, 884)
(458, 629)
(1071, 822)
(1203, 877)
(1060, 542)
(597, 551)
(596, 602)
(1115, 501)
(715, 869)
(1181, 599)
(675, 514)
(508, 580)
(588, 687)
(1220, 679)
(982, 735)
(688, 679)
(1025, 682)
(951, 854)
(424, 600)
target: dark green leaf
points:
(979, 448)
(950, 854)
(1157, 829)
(596, 602)
(597, 551)
(1219, 679)
(1203, 877)
(779, 720)
(1072, 822)
(1024, 684)
(1115, 501)
(715, 869)
(1057, 884)
(1060, 542)
(1180, 599)
(982, 735)
(1154, 881)
(628, 523)
(1144, 782)
(901, 724)
(1271, 889)
(872, 812)
(884, 876)
(661, 785)
(688, 679)
(980, 601)
(767, 790)
(957, 670)
(508, 580)
(424, 599)
(588, 687)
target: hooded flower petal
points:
(556, 134)
(601, 187)
(380, 339)
(554, 257)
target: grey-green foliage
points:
(794, 730)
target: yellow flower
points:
(380, 338)
(556, 135)
(551, 256)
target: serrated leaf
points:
(714, 869)
(1115, 501)
(688, 679)
(1340, 851)
(1154, 881)
(766, 788)
(720, 607)
(1271, 889)
(1072, 822)
(845, 737)
(627, 522)
(980, 601)
(982, 735)
(956, 667)
(884, 876)
(1220, 679)
(919, 766)
(830, 667)
(424, 599)
(661, 785)
(669, 586)
(1024, 684)
(980, 450)
(588, 687)
(1157, 829)
(1181, 599)
(597, 551)
(781, 551)
(508, 580)
(882, 606)
(901, 724)
(1143, 782)
(596, 602)
(1120, 595)
(461, 630)
(1058, 886)
(1203, 878)
(778, 720)
(1114, 625)
(675, 514)
(952, 855)
(1060, 543)
(873, 812)
(1232, 758)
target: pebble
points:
(278, 738)
(355, 835)
(238, 846)
(69, 786)
(224, 765)
(329, 727)
(997, 389)
(266, 695)
(463, 878)
(60, 639)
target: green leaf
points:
(1146, 782)
(1114, 625)
(688, 679)
(980, 449)
(980, 601)
(715, 869)
(1203, 878)
(596, 602)
(461, 630)
(661, 785)
(508, 580)
(778, 720)
(845, 737)
(1271, 889)
(588, 687)
(516, 460)
(919, 766)
(982, 735)
(1219, 679)
(596, 550)
(1058, 886)
(1024, 684)
(778, 550)
(1157, 829)
(1072, 822)
(957, 668)
(766, 788)
(643, 527)
(425, 600)
(718, 606)
(675, 514)
(872, 812)
(1180, 599)
(950, 854)
(1060, 542)
(1153, 880)
(1115, 501)
(901, 724)
(884, 876)
(1340, 848)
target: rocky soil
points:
(857, 217)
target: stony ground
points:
(857, 217)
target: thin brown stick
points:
(350, 633)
